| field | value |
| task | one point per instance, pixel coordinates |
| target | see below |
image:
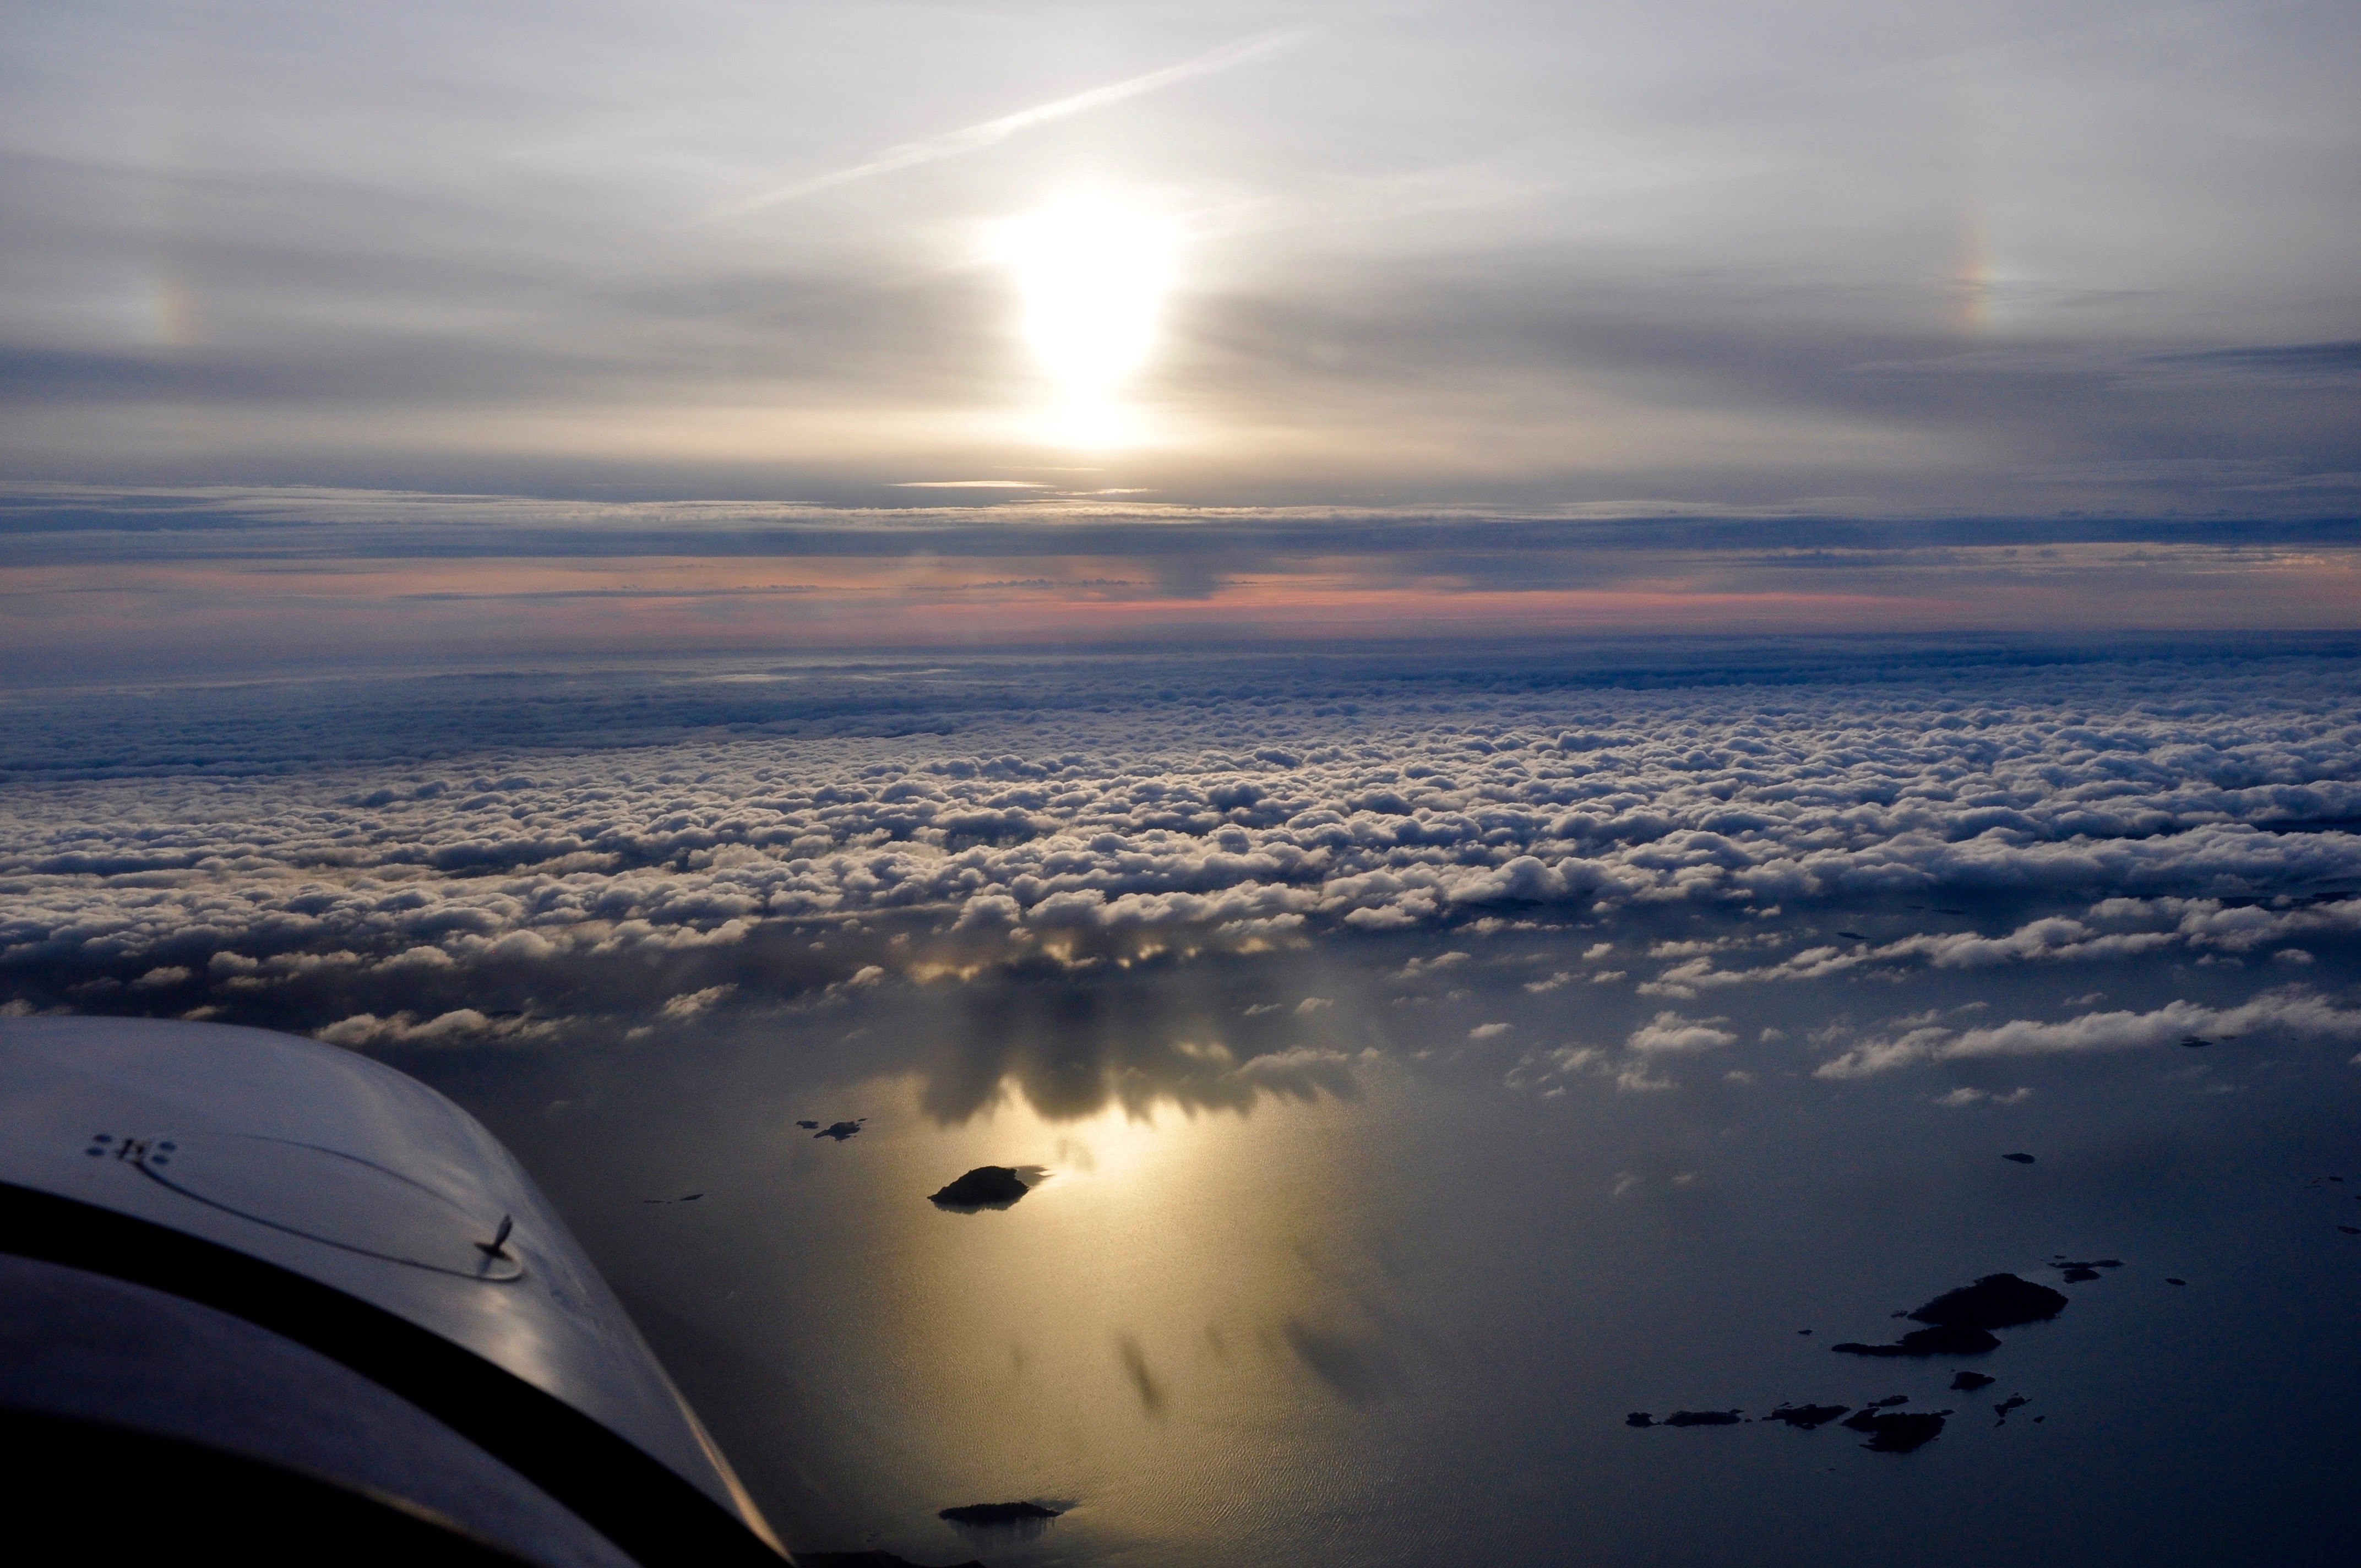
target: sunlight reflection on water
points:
(1392, 1325)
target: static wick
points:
(498, 1245)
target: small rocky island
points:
(1898, 1431)
(985, 1186)
(1806, 1418)
(1961, 1322)
(998, 1513)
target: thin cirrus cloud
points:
(991, 133)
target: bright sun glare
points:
(1091, 276)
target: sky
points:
(486, 331)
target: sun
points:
(1091, 279)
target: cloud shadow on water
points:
(1072, 1049)
(1143, 1380)
(1360, 1371)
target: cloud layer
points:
(2290, 1011)
(498, 854)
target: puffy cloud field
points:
(471, 859)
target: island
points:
(1961, 1322)
(998, 1513)
(1805, 1417)
(1898, 1432)
(985, 1186)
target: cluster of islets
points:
(1958, 1323)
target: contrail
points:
(990, 133)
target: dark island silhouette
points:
(989, 1186)
(1960, 1323)
(1898, 1431)
(1806, 1417)
(1889, 1430)
(985, 1186)
(2079, 1270)
(1969, 1382)
(999, 1514)
(840, 1131)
